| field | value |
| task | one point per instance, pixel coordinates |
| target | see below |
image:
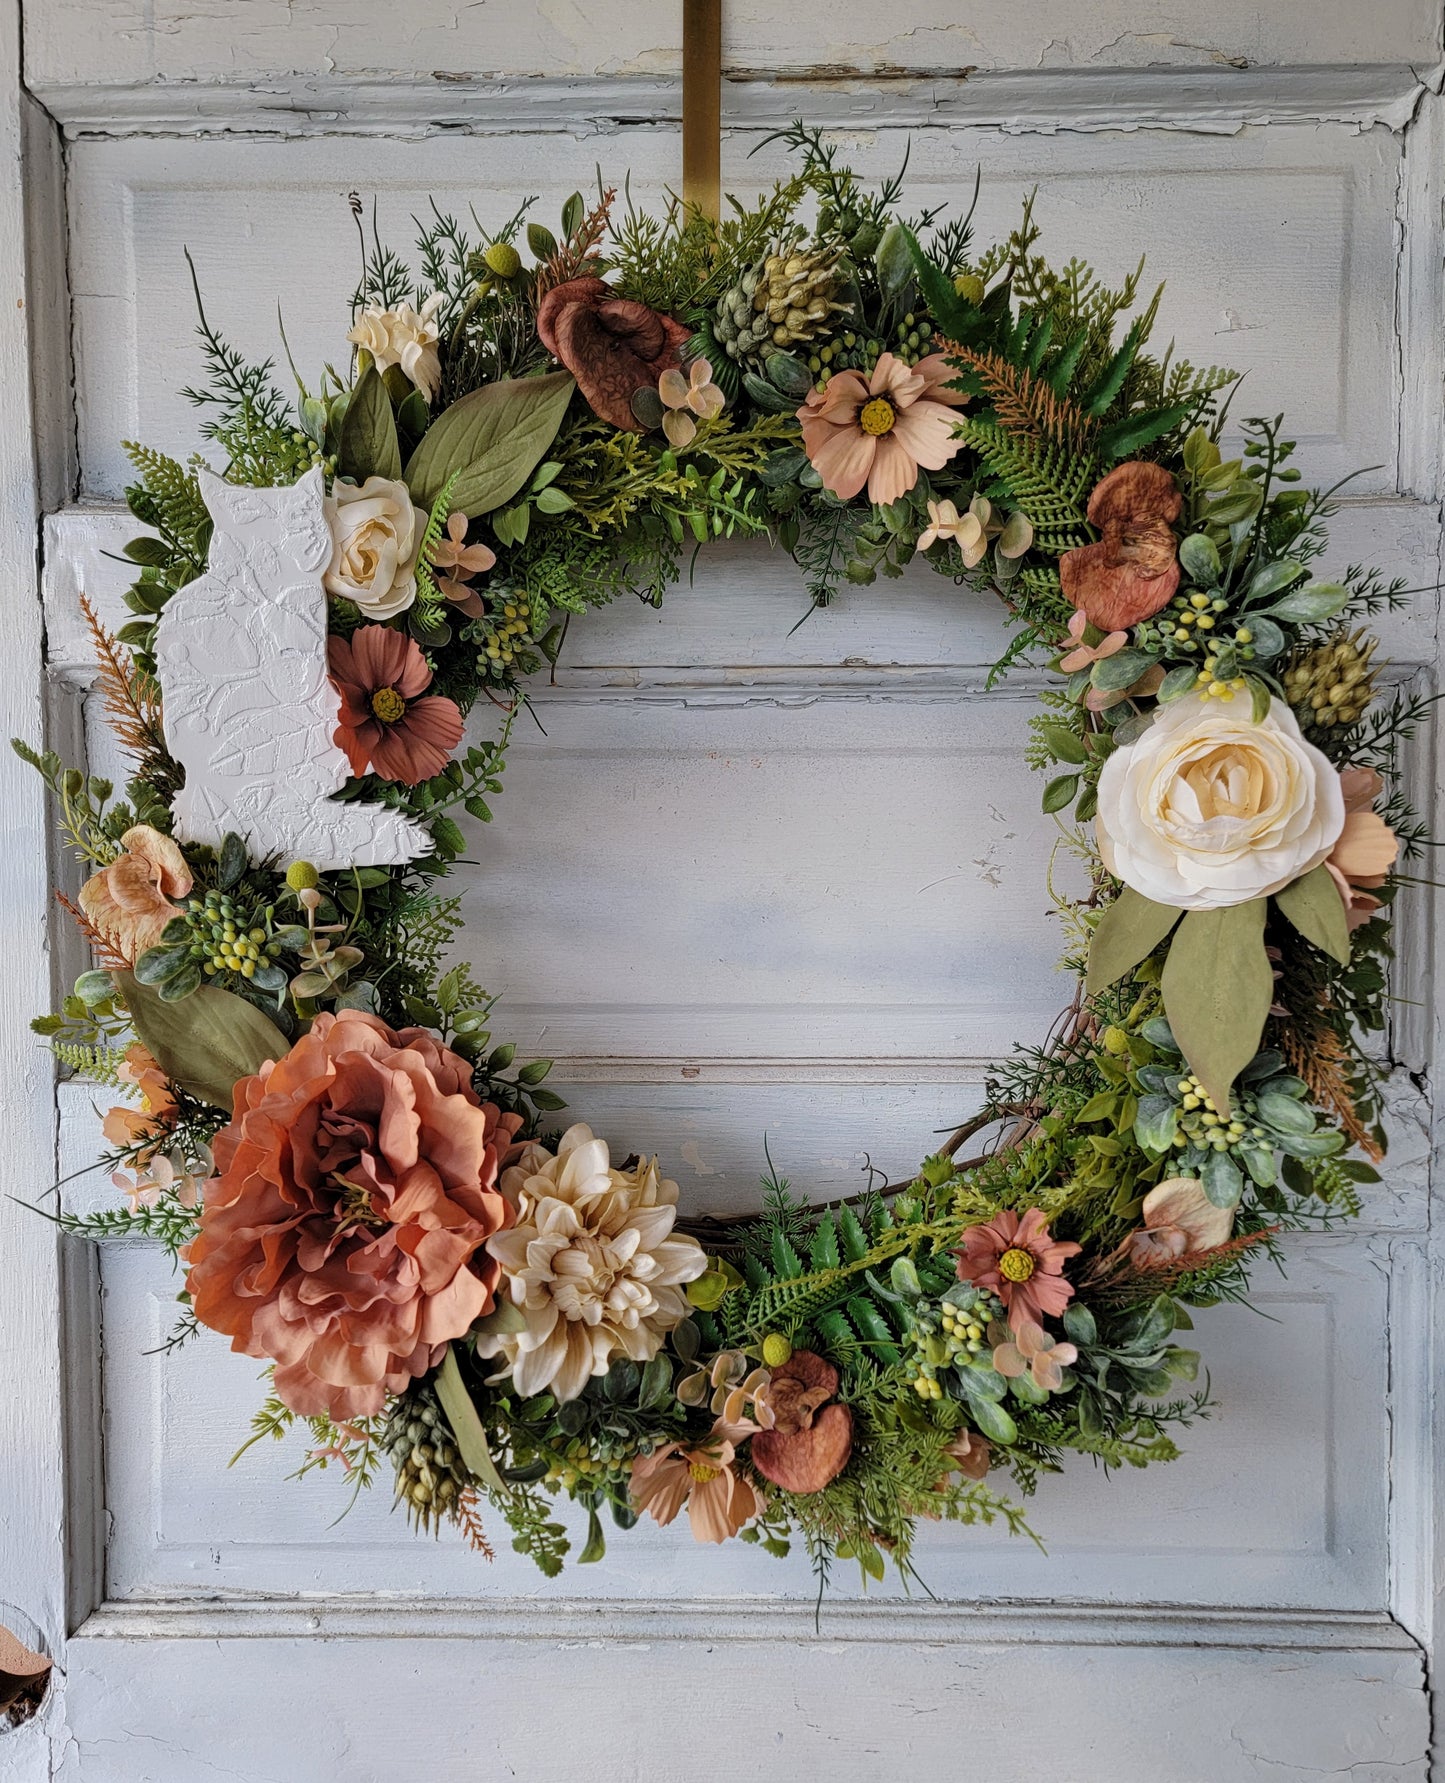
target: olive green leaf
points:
(207, 1043)
(1314, 905)
(491, 440)
(1128, 932)
(1217, 986)
(461, 1414)
(367, 446)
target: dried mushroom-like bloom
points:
(130, 902)
(610, 344)
(811, 1440)
(1133, 571)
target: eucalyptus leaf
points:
(1310, 605)
(1127, 933)
(1274, 577)
(892, 260)
(1199, 559)
(1285, 1115)
(1223, 1181)
(993, 1421)
(367, 445)
(1111, 674)
(1178, 681)
(1314, 905)
(1080, 1326)
(492, 439)
(1217, 986)
(207, 1043)
(1267, 638)
(1156, 1122)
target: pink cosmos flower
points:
(1017, 1259)
(883, 431)
(702, 1477)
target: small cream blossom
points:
(1209, 808)
(591, 1262)
(405, 337)
(376, 535)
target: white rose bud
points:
(1210, 809)
(376, 533)
(404, 337)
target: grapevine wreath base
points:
(362, 1186)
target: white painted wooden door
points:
(753, 881)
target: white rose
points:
(1209, 809)
(404, 337)
(376, 533)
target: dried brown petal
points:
(1133, 571)
(611, 345)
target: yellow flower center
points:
(1016, 1265)
(702, 1473)
(387, 704)
(877, 416)
(354, 1205)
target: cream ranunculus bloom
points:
(404, 337)
(376, 533)
(591, 1262)
(1210, 809)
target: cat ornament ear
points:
(249, 710)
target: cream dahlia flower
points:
(591, 1263)
(1210, 809)
(406, 337)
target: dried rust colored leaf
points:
(1133, 571)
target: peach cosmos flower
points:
(1017, 1259)
(1367, 848)
(131, 901)
(343, 1235)
(1133, 571)
(884, 431)
(702, 1477)
(388, 722)
(1179, 1220)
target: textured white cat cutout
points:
(249, 708)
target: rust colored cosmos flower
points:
(343, 1233)
(810, 1441)
(388, 721)
(1133, 571)
(1017, 1259)
(610, 344)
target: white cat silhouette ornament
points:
(249, 709)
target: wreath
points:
(366, 1190)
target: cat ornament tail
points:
(249, 709)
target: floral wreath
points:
(368, 1192)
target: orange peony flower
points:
(343, 1233)
(881, 432)
(1133, 571)
(719, 1500)
(130, 901)
(388, 721)
(1367, 849)
(1018, 1260)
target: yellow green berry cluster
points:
(914, 339)
(579, 1467)
(226, 937)
(1201, 1124)
(509, 627)
(849, 352)
(946, 1333)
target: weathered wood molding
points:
(1020, 1623)
(1219, 100)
